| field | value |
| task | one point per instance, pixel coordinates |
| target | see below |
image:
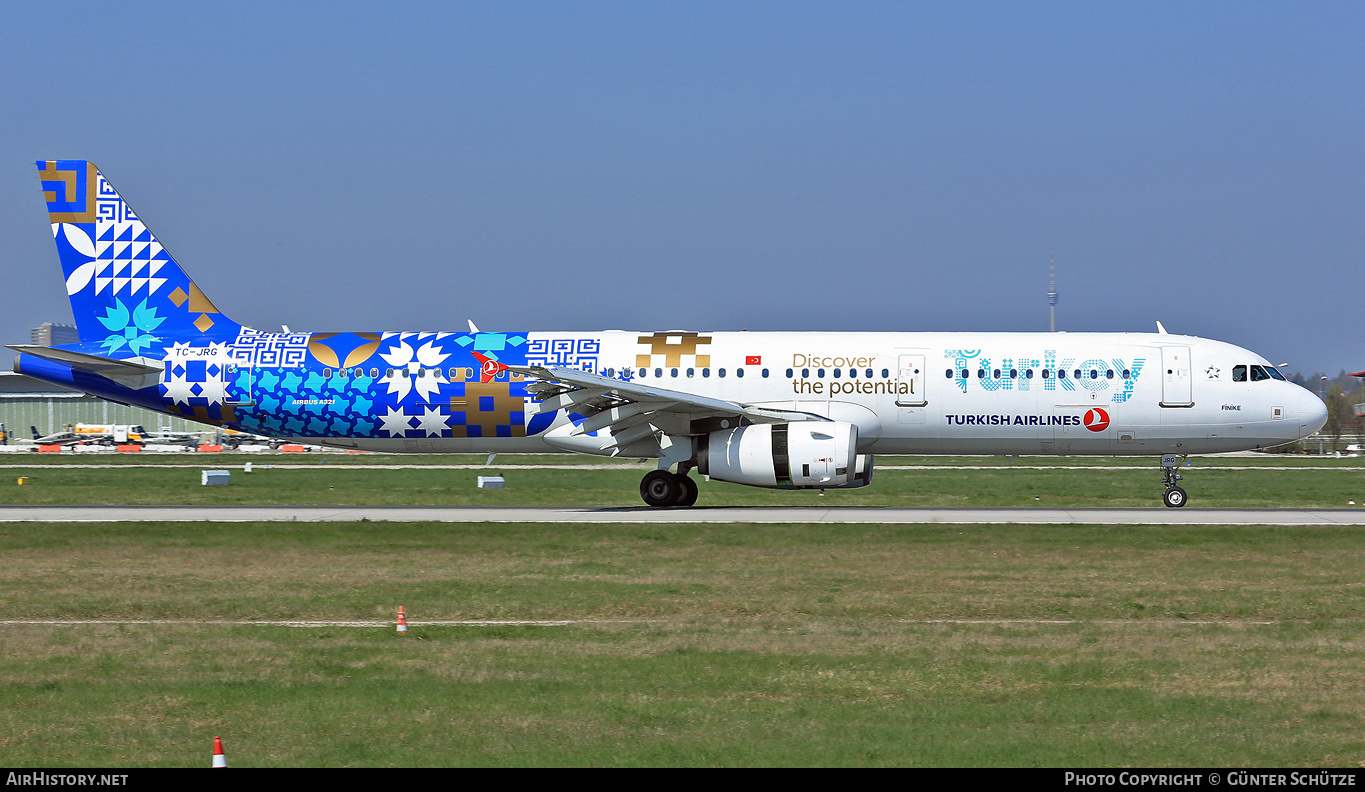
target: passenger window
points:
(739, 372)
(1028, 373)
(706, 372)
(1061, 373)
(948, 373)
(886, 373)
(805, 373)
(820, 373)
(691, 373)
(997, 374)
(1046, 374)
(327, 373)
(1109, 374)
(1094, 374)
(853, 373)
(869, 373)
(721, 372)
(374, 373)
(1239, 373)
(765, 372)
(980, 373)
(1078, 373)
(789, 373)
(674, 372)
(1126, 372)
(836, 373)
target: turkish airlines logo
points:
(488, 369)
(1096, 420)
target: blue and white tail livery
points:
(783, 410)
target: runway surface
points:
(755, 515)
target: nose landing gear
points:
(1174, 496)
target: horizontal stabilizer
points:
(128, 373)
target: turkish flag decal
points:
(1096, 420)
(753, 360)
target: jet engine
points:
(802, 455)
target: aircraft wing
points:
(631, 411)
(129, 373)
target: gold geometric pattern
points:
(504, 404)
(70, 178)
(199, 303)
(203, 323)
(673, 346)
(328, 356)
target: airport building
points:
(53, 334)
(26, 402)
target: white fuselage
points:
(968, 393)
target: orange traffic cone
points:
(402, 622)
(219, 760)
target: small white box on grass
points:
(209, 478)
(485, 482)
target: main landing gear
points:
(661, 488)
(1175, 496)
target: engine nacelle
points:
(806, 454)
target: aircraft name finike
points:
(783, 410)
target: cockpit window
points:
(1259, 373)
(1239, 373)
(1274, 372)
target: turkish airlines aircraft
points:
(784, 410)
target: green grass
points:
(693, 645)
(1210, 482)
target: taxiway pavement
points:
(759, 515)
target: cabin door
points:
(1175, 376)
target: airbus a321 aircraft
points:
(783, 410)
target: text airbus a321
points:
(781, 410)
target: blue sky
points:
(714, 166)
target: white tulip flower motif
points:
(402, 357)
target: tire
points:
(687, 491)
(659, 488)
(1174, 497)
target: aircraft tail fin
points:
(126, 291)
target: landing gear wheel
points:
(687, 491)
(659, 488)
(1174, 497)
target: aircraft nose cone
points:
(1312, 413)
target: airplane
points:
(776, 409)
(56, 438)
